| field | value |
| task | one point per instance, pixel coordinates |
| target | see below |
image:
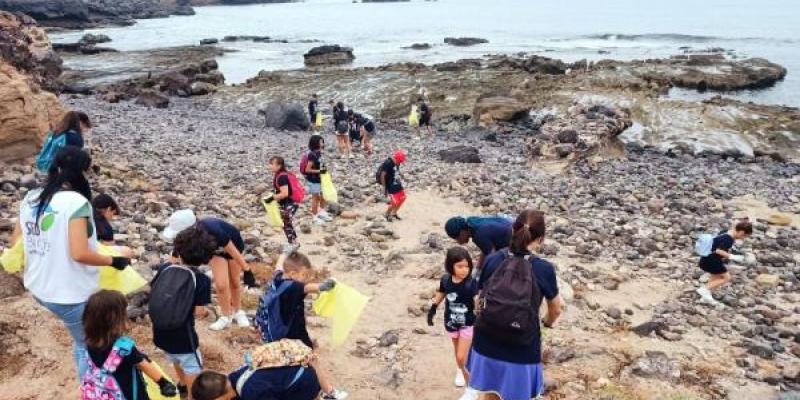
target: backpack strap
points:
(121, 349)
(243, 379)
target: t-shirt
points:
(184, 340)
(51, 274)
(125, 371)
(105, 232)
(491, 236)
(544, 274)
(459, 298)
(281, 181)
(274, 384)
(722, 242)
(315, 161)
(312, 110)
(392, 180)
(223, 232)
(293, 309)
(73, 139)
(424, 110)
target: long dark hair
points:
(455, 255)
(104, 318)
(72, 122)
(528, 228)
(68, 168)
(315, 143)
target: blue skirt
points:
(508, 380)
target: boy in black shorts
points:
(720, 255)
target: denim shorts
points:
(314, 188)
(189, 362)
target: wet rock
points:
(464, 41)
(329, 55)
(656, 365)
(94, 38)
(285, 116)
(209, 41)
(152, 99)
(420, 46)
(460, 154)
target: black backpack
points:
(172, 297)
(378, 174)
(510, 302)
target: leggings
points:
(287, 212)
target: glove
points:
(166, 387)
(326, 285)
(737, 258)
(119, 263)
(268, 199)
(323, 170)
(250, 279)
(431, 314)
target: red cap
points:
(399, 156)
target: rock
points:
(768, 280)
(614, 312)
(646, 328)
(27, 48)
(564, 150)
(760, 350)
(460, 154)
(656, 365)
(44, 10)
(389, 338)
(152, 99)
(493, 109)
(388, 378)
(10, 285)
(202, 88)
(285, 116)
(779, 220)
(420, 46)
(92, 38)
(209, 41)
(567, 136)
(329, 55)
(464, 41)
(655, 205)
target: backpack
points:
(378, 175)
(50, 147)
(704, 244)
(296, 191)
(172, 297)
(268, 315)
(98, 383)
(510, 303)
(304, 163)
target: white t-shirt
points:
(51, 274)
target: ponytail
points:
(528, 228)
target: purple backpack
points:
(98, 383)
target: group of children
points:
(349, 126)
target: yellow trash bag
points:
(153, 392)
(329, 192)
(318, 119)
(343, 305)
(126, 281)
(273, 212)
(13, 258)
(413, 117)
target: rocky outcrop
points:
(285, 116)
(26, 47)
(55, 11)
(92, 38)
(87, 13)
(464, 41)
(533, 64)
(586, 131)
(491, 109)
(329, 55)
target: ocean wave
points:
(667, 37)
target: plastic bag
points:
(126, 281)
(413, 117)
(13, 258)
(273, 212)
(343, 305)
(318, 120)
(153, 392)
(329, 192)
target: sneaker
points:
(397, 217)
(335, 394)
(388, 217)
(704, 293)
(460, 381)
(241, 319)
(290, 248)
(222, 323)
(318, 221)
(469, 394)
(323, 215)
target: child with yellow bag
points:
(288, 193)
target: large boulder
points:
(27, 113)
(329, 55)
(464, 41)
(461, 154)
(45, 10)
(27, 48)
(285, 116)
(491, 109)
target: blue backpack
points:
(268, 315)
(704, 244)
(50, 147)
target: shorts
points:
(314, 188)
(424, 121)
(714, 269)
(190, 363)
(463, 333)
(342, 128)
(398, 198)
(220, 252)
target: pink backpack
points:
(304, 163)
(297, 192)
(99, 383)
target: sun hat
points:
(178, 221)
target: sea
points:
(568, 29)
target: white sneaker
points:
(469, 394)
(460, 381)
(323, 215)
(221, 323)
(241, 319)
(318, 221)
(336, 394)
(289, 248)
(705, 295)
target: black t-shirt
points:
(459, 298)
(339, 115)
(280, 181)
(723, 242)
(315, 161)
(105, 232)
(276, 384)
(544, 274)
(312, 110)
(392, 182)
(223, 232)
(125, 371)
(184, 340)
(424, 110)
(293, 309)
(73, 138)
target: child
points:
(296, 268)
(283, 195)
(285, 383)
(367, 131)
(104, 326)
(105, 210)
(425, 115)
(192, 247)
(459, 289)
(342, 126)
(314, 167)
(393, 186)
(312, 111)
(715, 262)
